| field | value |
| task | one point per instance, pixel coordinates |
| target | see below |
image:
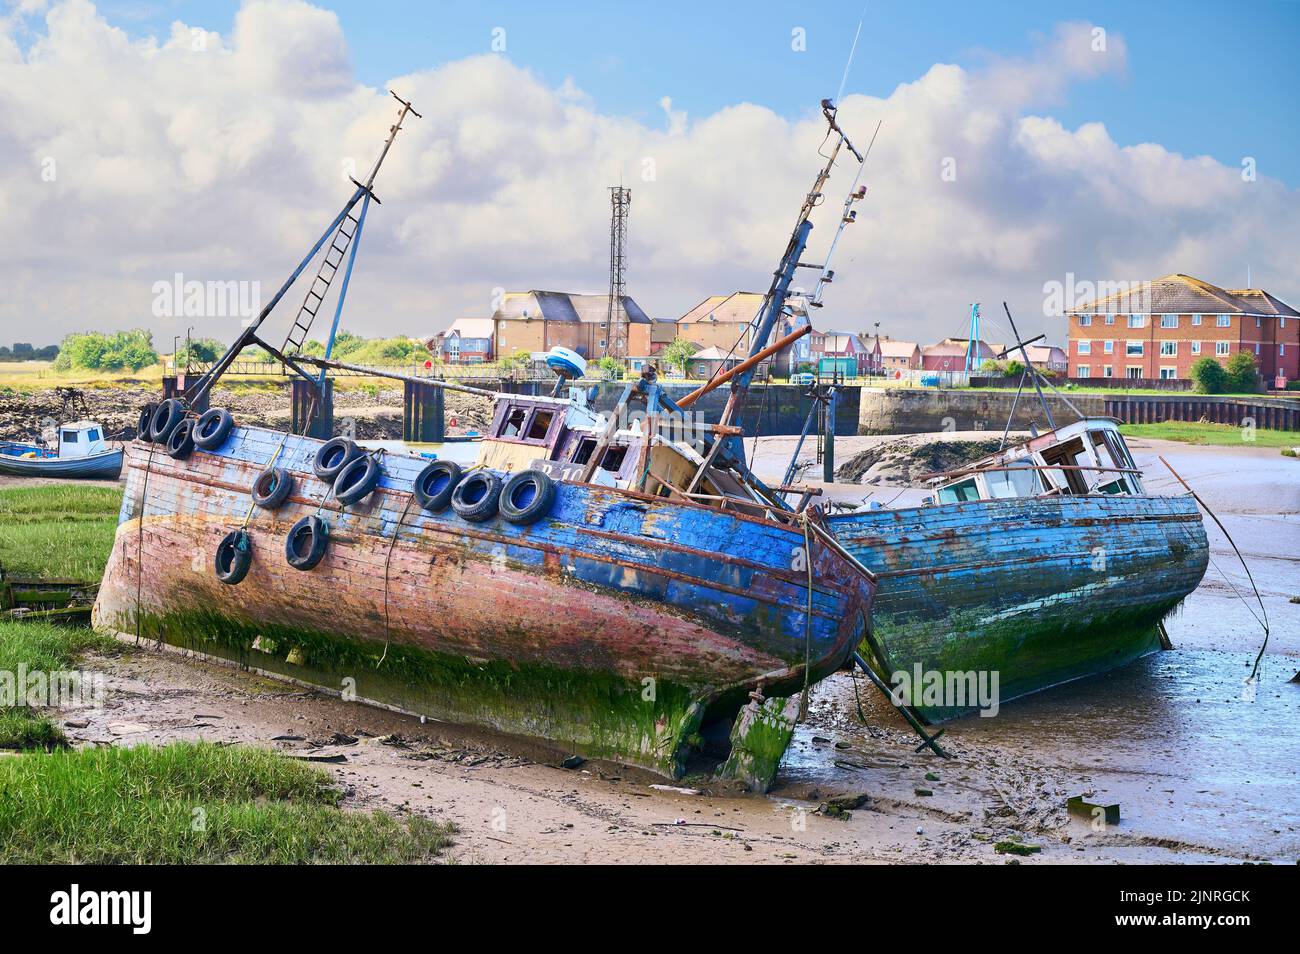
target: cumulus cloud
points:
(124, 161)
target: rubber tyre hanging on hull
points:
(435, 485)
(167, 416)
(234, 557)
(213, 428)
(476, 497)
(180, 444)
(527, 497)
(272, 488)
(304, 547)
(146, 418)
(332, 457)
(356, 480)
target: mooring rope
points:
(1263, 622)
(397, 528)
(139, 544)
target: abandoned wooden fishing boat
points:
(1047, 562)
(80, 450)
(618, 584)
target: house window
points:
(1281, 350)
(1168, 321)
(1223, 321)
(1168, 348)
(1109, 347)
(1110, 319)
(1281, 322)
(1221, 348)
(1259, 322)
(1257, 347)
(1168, 374)
(1137, 321)
(602, 342)
(1196, 347)
(1085, 321)
(1085, 347)
(1134, 349)
(1084, 371)
(1196, 319)
(1133, 371)
(1108, 371)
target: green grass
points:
(46, 648)
(1224, 435)
(193, 803)
(58, 530)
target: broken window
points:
(540, 425)
(1019, 480)
(514, 422)
(613, 461)
(955, 493)
(585, 447)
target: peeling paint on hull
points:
(1041, 590)
(617, 626)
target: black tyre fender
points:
(234, 557)
(435, 485)
(272, 488)
(357, 480)
(333, 456)
(305, 545)
(213, 428)
(166, 417)
(527, 497)
(476, 496)
(146, 419)
(180, 444)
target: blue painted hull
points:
(621, 624)
(107, 466)
(1039, 590)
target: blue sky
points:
(1214, 78)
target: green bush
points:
(1242, 372)
(95, 351)
(1208, 376)
(1014, 369)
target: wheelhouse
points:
(1087, 457)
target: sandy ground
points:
(1204, 769)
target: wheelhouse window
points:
(514, 424)
(540, 425)
(956, 493)
(1019, 480)
(70, 437)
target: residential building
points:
(950, 355)
(899, 355)
(537, 321)
(1160, 328)
(705, 362)
(467, 341)
(721, 320)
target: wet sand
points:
(1202, 770)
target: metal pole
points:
(828, 459)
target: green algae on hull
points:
(650, 723)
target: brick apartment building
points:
(537, 321)
(1160, 328)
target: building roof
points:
(1179, 294)
(737, 308)
(714, 354)
(472, 327)
(564, 306)
(1045, 353)
(957, 347)
(897, 349)
(1261, 302)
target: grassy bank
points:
(37, 647)
(187, 803)
(58, 530)
(1223, 435)
(193, 803)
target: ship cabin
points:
(559, 436)
(81, 439)
(1086, 457)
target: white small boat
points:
(80, 450)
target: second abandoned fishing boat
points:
(80, 451)
(1046, 562)
(623, 588)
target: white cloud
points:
(222, 157)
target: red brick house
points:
(1158, 329)
(950, 355)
